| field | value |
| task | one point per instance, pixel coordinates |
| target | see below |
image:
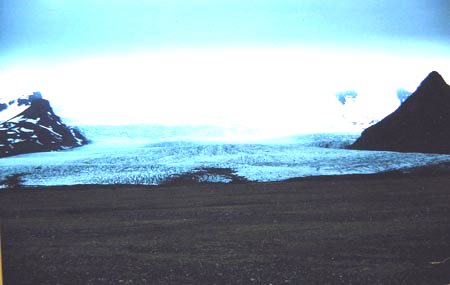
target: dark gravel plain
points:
(371, 229)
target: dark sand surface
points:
(373, 229)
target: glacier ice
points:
(150, 155)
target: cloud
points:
(285, 89)
(52, 27)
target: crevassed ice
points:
(151, 159)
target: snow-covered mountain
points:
(359, 111)
(403, 94)
(353, 112)
(32, 126)
(13, 107)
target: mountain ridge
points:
(37, 129)
(420, 124)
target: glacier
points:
(151, 154)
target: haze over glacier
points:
(275, 65)
(287, 90)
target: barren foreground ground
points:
(388, 229)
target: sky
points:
(226, 62)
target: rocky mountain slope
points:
(420, 124)
(37, 128)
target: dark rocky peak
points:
(24, 100)
(420, 124)
(432, 85)
(433, 79)
(431, 100)
(14, 106)
(37, 129)
(41, 110)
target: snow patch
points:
(11, 111)
(25, 130)
(50, 129)
(15, 119)
(32, 121)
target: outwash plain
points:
(388, 228)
